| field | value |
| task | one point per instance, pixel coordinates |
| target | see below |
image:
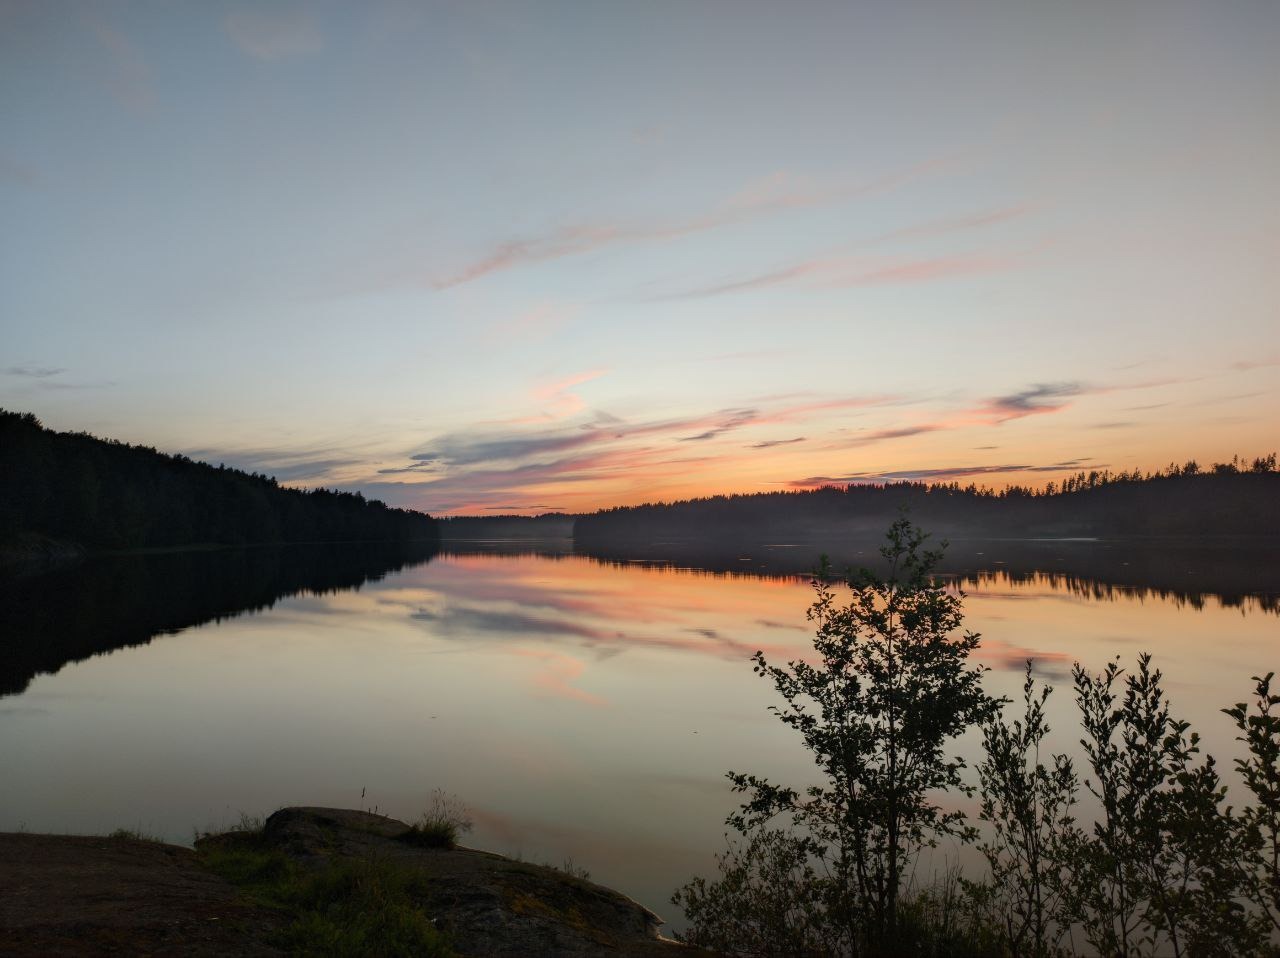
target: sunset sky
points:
(480, 257)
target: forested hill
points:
(1225, 499)
(549, 525)
(103, 494)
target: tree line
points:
(108, 495)
(1231, 498)
(1158, 861)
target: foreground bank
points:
(309, 881)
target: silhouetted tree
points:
(1260, 770)
(1027, 805)
(886, 694)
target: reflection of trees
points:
(1094, 589)
(1235, 574)
(71, 614)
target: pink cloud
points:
(558, 398)
(924, 270)
(854, 271)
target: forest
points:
(1231, 498)
(549, 525)
(108, 495)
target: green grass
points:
(363, 908)
(357, 907)
(432, 834)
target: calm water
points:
(585, 709)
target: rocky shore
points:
(76, 895)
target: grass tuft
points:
(135, 835)
(441, 824)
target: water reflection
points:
(586, 707)
(1233, 572)
(51, 617)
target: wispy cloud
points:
(847, 272)
(774, 194)
(286, 465)
(942, 474)
(418, 468)
(1034, 400)
(902, 432)
(770, 443)
(556, 400)
(733, 419)
(34, 372)
(850, 269)
(48, 378)
(473, 448)
(1246, 364)
(560, 396)
(923, 270)
(273, 33)
(955, 224)
(537, 323)
(128, 75)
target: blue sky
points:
(509, 257)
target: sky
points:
(480, 258)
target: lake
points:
(585, 708)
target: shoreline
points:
(253, 891)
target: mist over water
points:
(585, 707)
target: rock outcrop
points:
(79, 895)
(489, 905)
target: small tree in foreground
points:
(1261, 773)
(1159, 873)
(1028, 807)
(888, 688)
